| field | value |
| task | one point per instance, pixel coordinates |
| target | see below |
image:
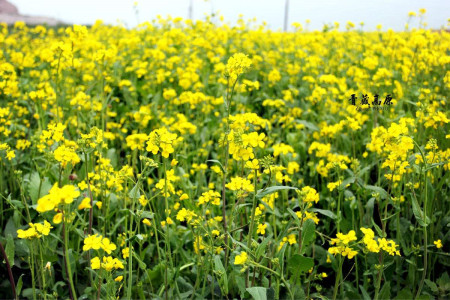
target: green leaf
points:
(308, 125)
(19, 286)
(300, 264)
(404, 294)
(10, 249)
(28, 293)
(435, 165)
(147, 215)
(364, 293)
(377, 228)
(218, 266)
(135, 193)
(347, 181)
(377, 189)
(258, 293)
(217, 162)
(72, 261)
(17, 203)
(432, 286)
(240, 283)
(112, 156)
(308, 232)
(33, 187)
(418, 213)
(262, 247)
(240, 244)
(142, 264)
(273, 189)
(10, 228)
(325, 212)
(385, 292)
(156, 275)
(294, 215)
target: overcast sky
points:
(390, 13)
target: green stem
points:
(42, 272)
(252, 221)
(33, 283)
(338, 278)
(66, 257)
(425, 237)
(380, 273)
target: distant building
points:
(9, 14)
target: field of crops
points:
(182, 160)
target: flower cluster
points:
(57, 196)
(161, 140)
(240, 184)
(36, 230)
(342, 244)
(237, 65)
(97, 242)
(107, 263)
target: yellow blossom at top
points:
(66, 155)
(161, 140)
(241, 258)
(261, 229)
(137, 141)
(56, 196)
(36, 230)
(238, 183)
(438, 244)
(237, 65)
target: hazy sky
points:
(390, 13)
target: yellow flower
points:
(95, 263)
(254, 164)
(56, 196)
(36, 230)
(136, 141)
(57, 218)
(291, 239)
(147, 222)
(438, 244)
(161, 140)
(261, 229)
(92, 242)
(185, 215)
(108, 246)
(310, 194)
(241, 258)
(126, 252)
(10, 154)
(66, 155)
(237, 65)
(238, 183)
(85, 203)
(118, 278)
(143, 200)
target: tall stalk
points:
(225, 167)
(424, 217)
(252, 220)
(72, 291)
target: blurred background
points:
(389, 13)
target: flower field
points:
(182, 160)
